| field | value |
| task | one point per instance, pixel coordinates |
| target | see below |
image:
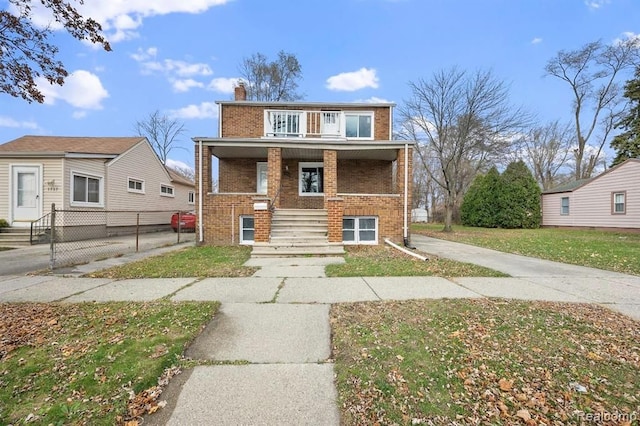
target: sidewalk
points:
(276, 324)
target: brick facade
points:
(352, 187)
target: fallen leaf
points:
(524, 415)
(505, 385)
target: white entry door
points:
(26, 190)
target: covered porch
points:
(366, 183)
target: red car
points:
(187, 221)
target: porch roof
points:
(303, 148)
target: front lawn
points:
(612, 251)
(206, 261)
(384, 261)
(484, 361)
(84, 363)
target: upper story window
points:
(314, 124)
(166, 190)
(359, 125)
(618, 200)
(86, 190)
(192, 197)
(564, 206)
(283, 123)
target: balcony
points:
(318, 124)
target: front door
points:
(26, 189)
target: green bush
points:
(510, 200)
(4, 223)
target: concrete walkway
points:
(272, 334)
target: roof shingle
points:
(66, 144)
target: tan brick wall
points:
(274, 174)
(334, 217)
(330, 165)
(221, 217)
(388, 210)
(289, 197)
(238, 175)
(248, 120)
(262, 225)
(365, 177)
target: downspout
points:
(200, 198)
(406, 195)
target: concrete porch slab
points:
(231, 290)
(132, 290)
(516, 288)
(325, 290)
(405, 288)
(53, 289)
(290, 394)
(265, 333)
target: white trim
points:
(309, 164)
(405, 228)
(356, 231)
(166, 194)
(136, 180)
(241, 223)
(39, 181)
(371, 114)
(259, 165)
(562, 213)
(101, 193)
(191, 197)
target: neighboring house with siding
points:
(610, 200)
(302, 177)
(93, 174)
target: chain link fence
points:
(81, 236)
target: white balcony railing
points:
(323, 124)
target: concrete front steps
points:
(298, 232)
(15, 236)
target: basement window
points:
(247, 230)
(360, 230)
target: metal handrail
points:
(40, 228)
(272, 202)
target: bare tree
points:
(162, 132)
(546, 149)
(466, 121)
(592, 73)
(271, 81)
(26, 52)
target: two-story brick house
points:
(295, 176)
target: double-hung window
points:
(564, 206)
(618, 203)
(360, 230)
(86, 189)
(359, 125)
(311, 179)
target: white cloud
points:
(351, 81)
(223, 85)
(373, 100)
(81, 89)
(79, 114)
(203, 111)
(170, 66)
(536, 40)
(13, 123)
(121, 19)
(182, 86)
(596, 4)
(628, 36)
(144, 55)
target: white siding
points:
(52, 182)
(141, 163)
(591, 205)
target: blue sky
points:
(179, 57)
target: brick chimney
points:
(240, 92)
